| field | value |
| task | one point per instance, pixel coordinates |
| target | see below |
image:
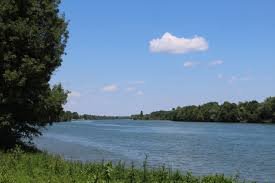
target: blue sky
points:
(127, 56)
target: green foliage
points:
(251, 111)
(210, 111)
(141, 114)
(69, 116)
(228, 112)
(24, 167)
(33, 36)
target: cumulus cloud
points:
(216, 62)
(169, 43)
(190, 64)
(110, 88)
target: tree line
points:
(70, 116)
(249, 111)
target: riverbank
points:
(248, 111)
(25, 167)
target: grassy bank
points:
(20, 167)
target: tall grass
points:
(17, 166)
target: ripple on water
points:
(203, 148)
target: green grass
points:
(17, 166)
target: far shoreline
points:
(161, 120)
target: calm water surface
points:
(202, 148)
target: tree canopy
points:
(70, 116)
(250, 111)
(33, 36)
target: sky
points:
(126, 56)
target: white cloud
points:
(74, 94)
(110, 88)
(140, 93)
(172, 44)
(190, 64)
(216, 62)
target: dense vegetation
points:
(69, 116)
(33, 36)
(251, 111)
(20, 167)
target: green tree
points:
(75, 115)
(249, 111)
(33, 36)
(228, 112)
(210, 111)
(267, 109)
(141, 114)
(66, 116)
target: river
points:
(199, 147)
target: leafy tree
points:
(228, 112)
(66, 116)
(267, 109)
(190, 113)
(199, 115)
(33, 36)
(141, 114)
(249, 111)
(75, 115)
(210, 111)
